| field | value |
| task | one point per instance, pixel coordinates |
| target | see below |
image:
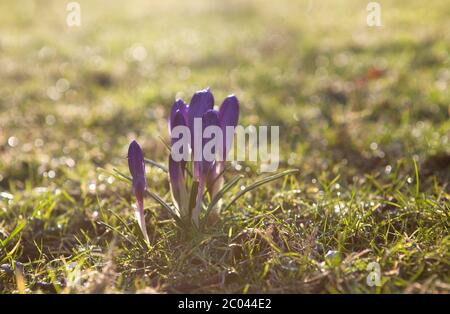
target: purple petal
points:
(178, 105)
(228, 116)
(137, 169)
(178, 120)
(201, 102)
(209, 118)
(136, 161)
(140, 216)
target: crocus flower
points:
(201, 174)
(179, 105)
(137, 169)
(209, 118)
(207, 173)
(177, 169)
(228, 117)
(201, 102)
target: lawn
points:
(363, 114)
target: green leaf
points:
(9, 254)
(215, 180)
(164, 142)
(166, 206)
(416, 170)
(259, 183)
(221, 193)
(193, 196)
(155, 164)
(116, 231)
(155, 196)
(18, 228)
(121, 176)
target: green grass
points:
(359, 108)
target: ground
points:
(363, 114)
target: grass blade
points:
(121, 176)
(166, 206)
(153, 195)
(221, 193)
(259, 183)
(193, 196)
(156, 165)
(416, 170)
(16, 230)
(164, 142)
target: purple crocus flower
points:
(201, 102)
(205, 172)
(177, 169)
(209, 118)
(228, 117)
(178, 105)
(137, 169)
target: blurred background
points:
(343, 93)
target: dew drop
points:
(62, 85)
(53, 93)
(51, 174)
(6, 195)
(13, 141)
(388, 169)
(38, 142)
(139, 53)
(50, 119)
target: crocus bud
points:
(201, 102)
(137, 169)
(228, 117)
(177, 171)
(178, 106)
(203, 167)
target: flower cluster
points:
(196, 181)
(205, 174)
(190, 180)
